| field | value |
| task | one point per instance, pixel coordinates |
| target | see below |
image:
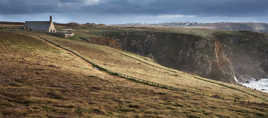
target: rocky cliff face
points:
(224, 56)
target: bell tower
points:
(50, 19)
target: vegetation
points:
(191, 50)
(75, 37)
(47, 76)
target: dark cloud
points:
(201, 8)
(192, 7)
(189, 7)
(27, 6)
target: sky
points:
(135, 11)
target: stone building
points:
(40, 26)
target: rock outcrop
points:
(223, 56)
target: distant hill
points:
(11, 23)
(256, 27)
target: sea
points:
(261, 85)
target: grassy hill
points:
(214, 54)
(47, 76)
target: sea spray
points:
(236, 80)
(261, 85)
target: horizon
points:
(245, 22)
(131, 11)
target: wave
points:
(261, 85)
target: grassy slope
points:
(92, 33)
(195, 47)
(136, 66)
(39, 80)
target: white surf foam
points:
(236, 80)
(261, 85)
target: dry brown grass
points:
(129, 64)
(40, 80)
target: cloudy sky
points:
(135, 11)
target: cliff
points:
(220, 56)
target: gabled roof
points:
(38, 24)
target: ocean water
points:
(261, 85)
